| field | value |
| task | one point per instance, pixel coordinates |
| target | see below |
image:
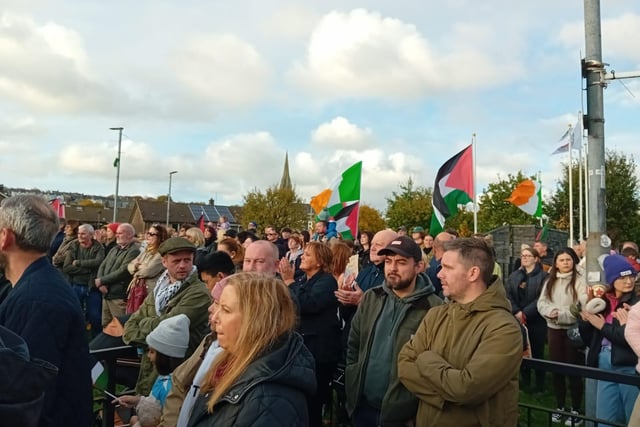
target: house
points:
(96, 215)
(148, 212)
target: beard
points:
(396, 283)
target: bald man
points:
(261, 257)
(350, 292)
(434, 264)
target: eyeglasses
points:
(526, 256)
(152, 234)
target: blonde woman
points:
(196, 236)
(264, 373)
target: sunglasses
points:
(151, 234)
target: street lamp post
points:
(116, 163)
(169, 196)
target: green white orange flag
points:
(341, 201)
(453, 187)
(528, 197)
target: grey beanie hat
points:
(171, 336)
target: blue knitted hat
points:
(615, 267)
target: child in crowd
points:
(168, 344)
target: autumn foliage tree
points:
(370, 219)
(495, 210)
(622, 198)
(411, 206)
(278, 207)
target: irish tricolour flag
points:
(342, 201)
(528, 197)
(453, 187)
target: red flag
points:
(57, 206)
(201, 223)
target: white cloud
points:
(363, 54)
(382, 172)
(620, 37)
(223, 69)
(290, 22)
(340, 133)
(138, 160)
(45, 67)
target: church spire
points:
(285, 181)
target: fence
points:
(576, 371)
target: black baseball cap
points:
(403, 246)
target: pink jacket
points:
(632, 331)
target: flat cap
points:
(176, 244)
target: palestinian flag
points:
(343, 194)
(201, 222)
(543, 234)
(528, 197)
(453, 187)
(99, 376)
(58, 206)
(347, 220)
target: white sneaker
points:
(557, 417)
(573, 421)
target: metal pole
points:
(475, 197)
(117, 164)
(570, 170)
(169, 196)
(593, 72)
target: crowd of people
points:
(234, 328)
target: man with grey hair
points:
(261, 257)
(43, 309)
(113, 275)
(81, 263)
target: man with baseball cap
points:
(178, 291)
(385, 319)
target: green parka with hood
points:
(463, 363)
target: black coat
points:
(621, 353)
(523, 290)
(24, 381)
(270, 393)
(43, 309)
(319, 324)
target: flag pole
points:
(570, 169)
(475, 199)
(541, 204)
(586, 189)
(580, 185)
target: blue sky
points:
(221, 90)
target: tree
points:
(462, 222)
(89, 202)
(370, 219)
(278, 207)
(495, 211)
(622, 198)
(410, 207)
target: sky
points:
(220, 91)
